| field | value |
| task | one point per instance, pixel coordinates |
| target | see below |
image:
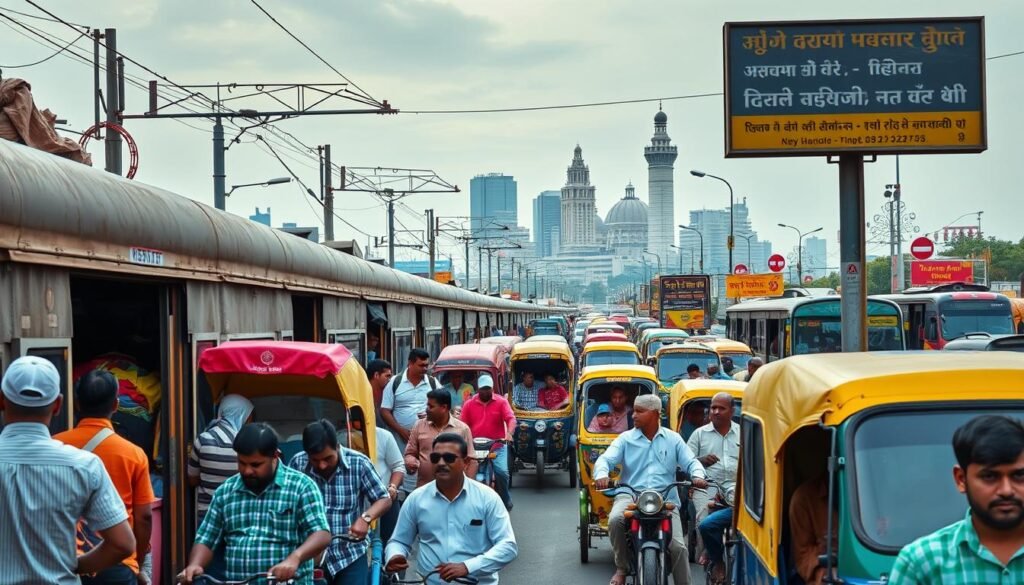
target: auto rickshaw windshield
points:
(672, 366)
(739, 360)
(606, 358)
(897, 507)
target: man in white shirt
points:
(717, 446)
(405, 401)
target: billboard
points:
(655, 292)
(686, 301)
(926, 272)
(865, 86)
(739, 286)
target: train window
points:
(352, 341)
(454, 337)
(58, 356)
(432, 342)
(752, 439)
(403, 345)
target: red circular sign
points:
(776, 263)
(808, 279)
(740, 269)
(922, 248)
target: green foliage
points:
(1007, 257)
(830, 281)
(596, 292)
(879, 273)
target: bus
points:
(778, 328)
(937, 315)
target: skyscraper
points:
(661, 158)
(492, 203)
(547, 221)
(578, 206)
(815, 257)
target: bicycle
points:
(422, 579)
(257, 578)
(376, 557)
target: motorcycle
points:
(649, 523)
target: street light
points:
(681, 257)
(655, 254)
(729, 244)
(800, 250)
(750, 265)
(701, 236)
(267, 183)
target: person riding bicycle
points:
(462, 527)
(712, 531)
(649, 455)
(489, 416)
(270, 516)
(347, 480)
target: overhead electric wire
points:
(317, 55)
(36, 16)
(565, 106)
(44, 59)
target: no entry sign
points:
(740, 269)
(776, 262)
(922, 248)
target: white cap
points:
(485, 381)
(31, 381)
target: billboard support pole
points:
(852, 252)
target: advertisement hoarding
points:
(925, 272)
(655, 308)
(686, 301)
(739, 286)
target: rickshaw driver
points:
(649, 455)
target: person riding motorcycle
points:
(649, 455)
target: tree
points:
(830, 281)
(879, 276)
(1006, 259)
(596, 292)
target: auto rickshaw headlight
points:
(524, 426)
(649, 502)
(540, 426)
(557, 426)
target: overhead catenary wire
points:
(44, 59)
(36, 16)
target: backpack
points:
(396, 380)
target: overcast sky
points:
(479, 54)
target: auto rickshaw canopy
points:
(702, 388)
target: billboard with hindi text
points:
(926, 272)
(868, 86)
(686, 301)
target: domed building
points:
(626, 226)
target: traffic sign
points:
(740, 269)
(776, 262)
(808, 279)
(922, 248)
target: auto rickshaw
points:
(547, 339)
(467, 361)
(672, 359)
(606, 336)
(602, 353)
(544, 438)
(651, 339)
(507, 342)
(873, 431)
(726, 348)
(545, 327)
(595, 389)
(689, 404)
(294, 383)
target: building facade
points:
(492, 203)
(579, 210)
(661, 157)
(547, 222)
(626, 226)
(815, 257)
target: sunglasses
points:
(449, 458)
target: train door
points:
(402, 324)
(345, 321)
(306, 318)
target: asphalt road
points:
(545, 522)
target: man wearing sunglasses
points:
(462, 525)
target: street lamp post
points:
(750, 265)
(732, 225)
(680, 257)
(267, 183)
(800, 250)
(655, 254)
(701, 236)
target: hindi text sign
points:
(868, 86)
(686, 301)
(926, 272)
(739, 286)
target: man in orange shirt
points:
(127, 465)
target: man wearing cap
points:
(649, 455)
(46, 486)
(490, 416)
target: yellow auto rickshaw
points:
(872, 431)
(595, 390)
(294, 383)
(543, 437)
(602, 353)
(738, 352)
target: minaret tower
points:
(661, 158)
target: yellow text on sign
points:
(882, 131)
(739, 286)
(882, 321)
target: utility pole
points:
(114, 103)
(431, 247)
(328, 194)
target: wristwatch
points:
(367, 518)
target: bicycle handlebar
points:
(250, 579)
(422, 579)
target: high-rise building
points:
(492, 203)
(661, 158)
(547, 221)
(579, 210)
(815, 257)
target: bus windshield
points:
(896, 507)
(962, 317)
(672, 366)
(817, 328)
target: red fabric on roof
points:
(275, 358)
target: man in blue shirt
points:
(462, 525)
(347, 479)
(649, 455)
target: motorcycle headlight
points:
(649, 502)
(540, 426)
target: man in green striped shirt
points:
(270, 516)
(987, 546)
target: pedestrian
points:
(649, 455)
(213, 460)
(379, 374)
(390, 463)
(489, 416)
(438, 420)
(987, 546)
(462, 527)
(128, 467)
(747, 375)
(405, 401)
(46, 486)
(715, 373)
(729, 366)
(347, 480)
(270, 517)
